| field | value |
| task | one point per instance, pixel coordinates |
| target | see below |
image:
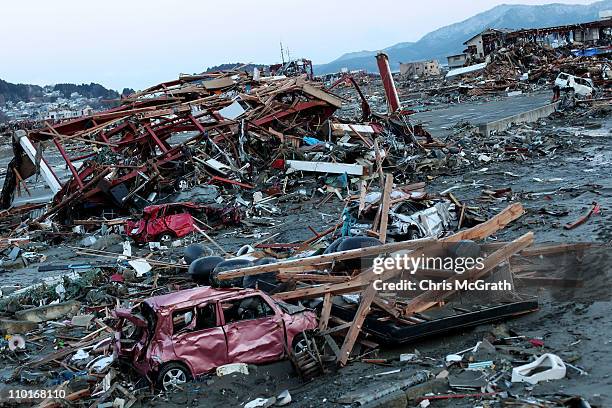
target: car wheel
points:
(172, 376)
(181, 184)
(300, 344)
(166, 238)
(412, 234)
(304, 360)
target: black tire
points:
(265, 281)
(201, 268)
(192, 252)
(173, 376)
(165, 237)
(333, 247)
(465, 249)
(181, 184)
(226, 266)
(412, 234)
(355, 243)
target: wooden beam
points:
(384, 214)
(362, 311)
(480, 231)
(492, 225)
(381, 303)
(362, 196)
(325, 312)
(316, 291)
(312, 277)
(321, 259)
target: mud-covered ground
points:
(577, 328)
(575, 325)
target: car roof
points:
(190, 297)
(151, 209)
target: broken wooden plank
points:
(489, 227)
(322, 95)
(362, 311)
(384, 215)
(480, 231)
(432, 297)
(362, 195)
(325, 312)
(381, 303)
(321, 259)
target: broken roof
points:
(193, 296)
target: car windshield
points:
(289, 308)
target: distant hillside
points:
(18, 92)
(27, 93)
(243, 67)
(449, 40)
(92, 90)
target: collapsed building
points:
(223, 128)
(136, 169)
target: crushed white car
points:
(409, 219)
(581, 86)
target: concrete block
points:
(8, 326)
(49, 312)
(82, 320)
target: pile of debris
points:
(228, 128)
(518, 67)
(175, 162)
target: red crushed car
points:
(166, 222)
(176, 337)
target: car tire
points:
(268, 278)
(465, 249)
(357, 242)
(412, 234)
(303, 358)
(299, 344)
(200, 269)
(181, 184)
(333, 247)
(172, 376)
(166, 237)
(193, 252)
(227, 265)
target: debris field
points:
(214, 241)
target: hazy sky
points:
(137, 43)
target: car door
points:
(199, 339)
(254, 330)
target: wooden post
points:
(362, 196)
(367, 296)
(384, 214)
(325, 312)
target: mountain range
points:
(449, 40)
